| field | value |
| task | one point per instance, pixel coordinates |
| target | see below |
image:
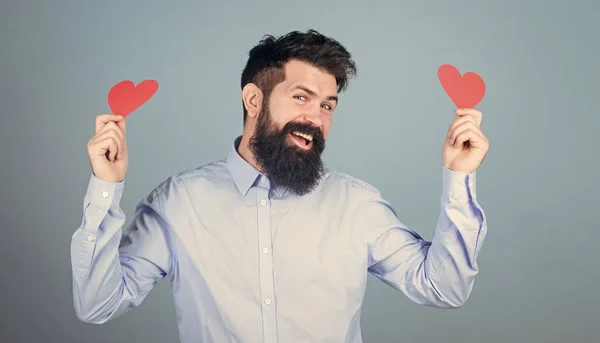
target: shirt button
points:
(263, 179)
(105, 194)
(263, 202)
(265, 250)
(268, 301)
(90, 238)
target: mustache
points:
(314, 131)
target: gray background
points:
(538, 185)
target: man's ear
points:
(253, 98)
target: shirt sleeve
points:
(114, 269)
(439, 273)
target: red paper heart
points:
(125, 97)
(465, 91)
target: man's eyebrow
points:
(312, 93)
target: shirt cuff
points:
(458, 185)
(104, 194)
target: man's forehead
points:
(302, 73)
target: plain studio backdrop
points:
(539, 270)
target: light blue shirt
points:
(249, 263)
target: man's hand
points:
(465, 145)
(107, 149)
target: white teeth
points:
(307, 137)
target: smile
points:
(302, 140)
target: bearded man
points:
(268, 245)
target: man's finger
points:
(453, 135)
(471, 111)
(121, 124)
(459, 121)
(476, 139)
(103, 119)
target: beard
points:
(286, 164)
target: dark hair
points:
(265, 66)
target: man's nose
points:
(314, 117)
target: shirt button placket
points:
(267, 288)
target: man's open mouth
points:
(303, 140)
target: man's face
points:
(290, 134)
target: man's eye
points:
(327, 107)
(300, 97)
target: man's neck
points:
(245, 152)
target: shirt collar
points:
(243, 173)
